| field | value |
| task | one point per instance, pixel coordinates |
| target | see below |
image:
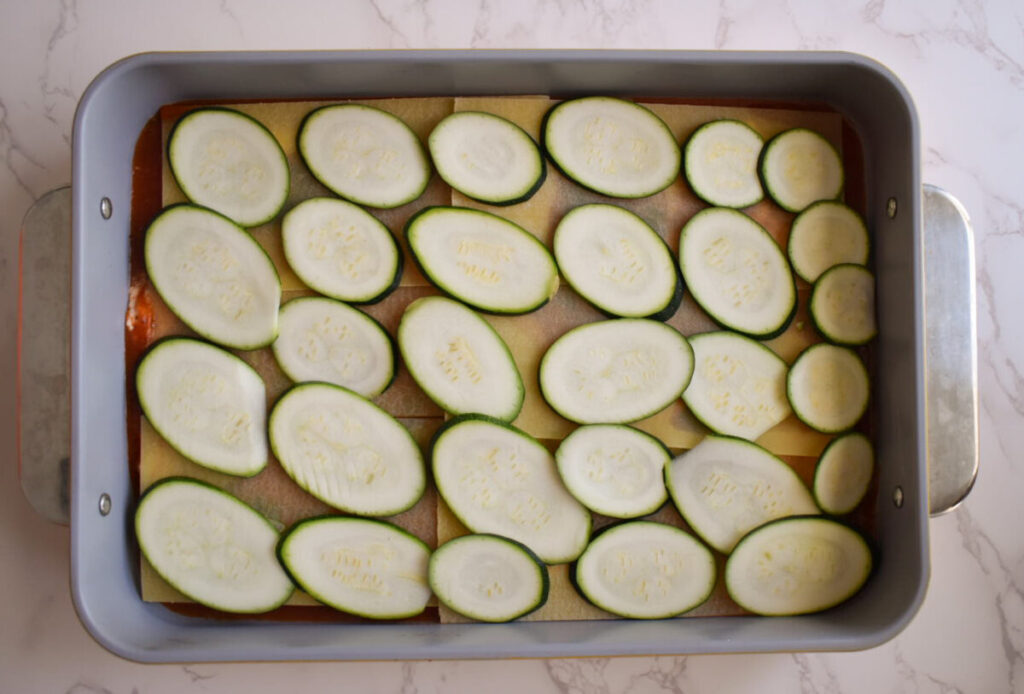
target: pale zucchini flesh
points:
(828, 388)
(842, 305)
(843, 473)
(720, 163)
(800, 167)
(826, 234)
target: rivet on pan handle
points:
(951, 370)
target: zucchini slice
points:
(720, 163)
(229, 162)
(611, 146)
(797, 566)
(737, 273)
(487, 158)
(498, 479)
(827, 233)
(458, 359)
(645, 570)
(488, 578)
(341, 250)
(614, 470)
(800, 167)
(325, 340)
(828, 388)
(738, 386)
(346, 451)
(364, 154)
(843, 305)
(843, 473)
(725, 487)
(213, 276)
(617, 262)
(208, 404)
(615, 371)
(365, 567)
(482, 260)
(211, 546)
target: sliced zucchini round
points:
(825, 234)
(211, 546)
(614, 470)
(341, 250)
(346, 451)
(725, 487)
(487, 158)
(488, 578)
(482, 260)
(611, 146)
(615, 371)
(843, 473)
(364, 154)
(208, 404)
(645, 570)
(720, 163)
(458, 359)
(498, 479)
(738, 386)
(214, 276)
(800, 167)
(828, 388)
(737, 273)
(617, 262)
(325, 340)
(797, 566)
(843, 305)
(229, 162)
(365, 567)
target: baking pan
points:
(123, 98)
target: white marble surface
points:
(963, 62)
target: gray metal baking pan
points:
(123, 98)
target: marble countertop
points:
(963, 63)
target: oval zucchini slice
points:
(843, 305)
(828, 388)
(797, 566)
(364, 567)
(346, 451)
(800, 167)
(720, 163)
(482, 260)
(208, 404)
(645, 570)
(843, 474)
(211, 546)
(826, 234)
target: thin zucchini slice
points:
(725, 487)
(325, 340)
(611, 146)
(738, 386)
(487, 158)
(458, 360)
(229, 162)
(843, 305)
(800, 167)
(617, 262)
(346, 451)
(843, 473)
(645, 570)
(827, 233)
(214, 276)
(720, 163)
(341, 250)
(498, 479)
(364, 567)
(364, 154)
(208, 404)
(211, 546)
(615, 371)
(828, 388)
(614, 470)
(737, 273)
(797, 566)
(488, 578)
(482, 260)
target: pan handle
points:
(951, 366)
